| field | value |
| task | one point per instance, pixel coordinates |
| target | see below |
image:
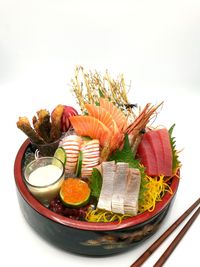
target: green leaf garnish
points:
(125, 155)
(96, 183)
(175, 160)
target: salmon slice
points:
(105, 117)
(92, 127)
(117, 115)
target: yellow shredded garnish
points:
(156, 187)
(98, 215)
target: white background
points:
(156, 44)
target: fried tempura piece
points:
(24, 125)
(34, 121)
(56, 122)
(42, 125)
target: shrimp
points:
(136, 129)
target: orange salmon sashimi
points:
(103, 115)
(92, 127)
(115, 112)
(106, 118)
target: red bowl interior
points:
(80, 224)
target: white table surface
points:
(156, 44)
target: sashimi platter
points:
(116, 163)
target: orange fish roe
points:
(75, 192)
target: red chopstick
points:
(161, 239)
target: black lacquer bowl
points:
(84, 237)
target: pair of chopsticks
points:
(176, 240)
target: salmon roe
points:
(74, 191)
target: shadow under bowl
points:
(83, 237)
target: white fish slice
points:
(132, 192)
(105, 199)
(119, 187)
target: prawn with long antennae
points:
(136, 129)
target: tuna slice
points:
(147, 156)
(167, 151)
(155, 153)
(156, 145)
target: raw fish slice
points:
(117, 115)
(105, 117)
(147, 156)
(108, 174)
(101, 114)
(71, 144)
(156, 143)
(155, 153)
(132, 192)
(167, 151)
(119, 187)
(69, 148)
(93, 142)
(92, 127)
(90, 156)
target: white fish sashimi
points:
(105, 199)
(132, 192)
(119, 187)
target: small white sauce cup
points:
(44, 193)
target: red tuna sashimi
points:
(167, 151)
(155, 148)
(156, 144)
(147, 156)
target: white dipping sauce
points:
(44, 176)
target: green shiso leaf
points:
(175, 160)
(125, 155)
(96, 183)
